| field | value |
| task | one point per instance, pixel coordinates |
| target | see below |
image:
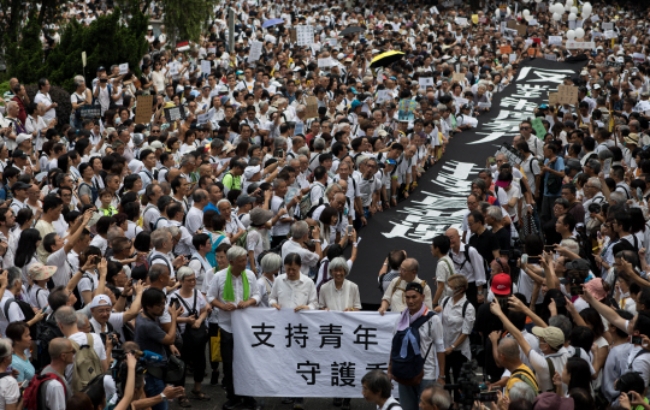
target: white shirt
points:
(215, 291)
(473, 269)
(46, 99)
(332, 298)
(431, 342)
(63, 271)
(15, 313)
(9, 392)
(309, 258)
(455, 324)
(194, 220)
(394, 294)
(292, 293)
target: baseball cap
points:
(19, 153)
(250, 172)
(552, 335)
(22, 137)
(414, 286)
(100, 300)
(501, 284)
(38, 271)
(355, 104)
(245, 199)
(156, 145)
(19, 185)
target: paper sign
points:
(90, 112)
(505, 49)
(144, 109)
(594, 18)
(425, 82)
(173, 69)
(173, 114)
(551, 57)
(513, 58)
(325, 62)
(475, 18)
(382, 96)
(333, 42)
(461, 21)
(205, 118)
(567, 94)
(638, 58)
(484, 104)
(305, 35)
(633, 39)
(212, 50)
(607, 26)
(610, 34)
(583, 45)
(434, 10)
(572, 25)
(459, 77)
(255, 51)
(533, 22)
(552, 99)
(206, 67)
(312, 107)
(293, 36)
(538, 127)
(124, 68)
(555, 40)
(522, 29)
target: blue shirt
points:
(558, 165)
(211, 207)
(25, 369)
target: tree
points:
(25, 59)
(106, 42)
(184, 19)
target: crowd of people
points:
(137, 240)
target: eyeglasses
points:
(523, 128)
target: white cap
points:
(100, 300)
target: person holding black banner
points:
(233, 288)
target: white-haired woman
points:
(339, 293)
(270, 266)
(191, 324)
(82, 97)
(342, 295)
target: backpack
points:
(32, 396)
(47, 330)
(80, 301)
(94, 192)
(27, 310)
(309, 214)
(158, 256)
(155, 224)
(526, 377)
(444, 303)
(407, 361)
(210, 256)
(305, 205)
(86, 364)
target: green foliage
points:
(4, 87)
(25, 60)
(184, 19)
(106, 42)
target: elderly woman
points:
(339, 293)
(458, 316)
(270, 266)
(191, 324)
(10, 397)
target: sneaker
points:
(214, 380)
(232, 403)
(298, 404)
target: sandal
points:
(184, 402)
(199, 395)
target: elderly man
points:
(469, 263)
(12, 125)
(230, 289)
(300, 233)
(394, 296)
(57, 391)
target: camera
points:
(637, 340)
(469, 388)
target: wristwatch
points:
(162, 396)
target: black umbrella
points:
(351, 30)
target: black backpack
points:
(47, 330)
(411, 366)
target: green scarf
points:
(229, 290)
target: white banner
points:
(311, 353)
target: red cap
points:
(501, 284)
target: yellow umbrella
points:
(386, 59)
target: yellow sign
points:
(475, 18)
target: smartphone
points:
(637, 340)
(488, 396)
(311, 232)
(549, 248)
(524, 259)
(577, 290)
(43, 310)
(533, 260)
(560, 302)
(350, 229)
(639, 194)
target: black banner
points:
(90, 112)
(440, 201)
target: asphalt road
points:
(218, 397)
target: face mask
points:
(117, 120)
(180, 59)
